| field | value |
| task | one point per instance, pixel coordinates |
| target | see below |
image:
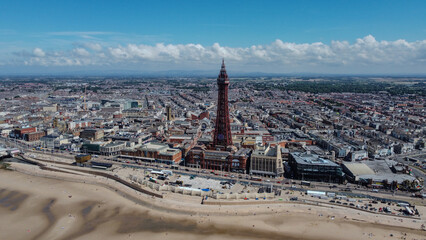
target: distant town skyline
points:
(333, 37)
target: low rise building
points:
(53, 141)
(34, 136)
(200, 157)
(20, 132)
(92, 134)
(267, 161)
(312, 167)
(156, 152)
(112, 148)
(381, 174)
(358, 155)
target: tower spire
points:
(223, 76)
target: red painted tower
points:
(222, 131)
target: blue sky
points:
(269, 36)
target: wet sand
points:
(42, 208)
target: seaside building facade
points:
(155, 152)
(267, 161)
(312, 167)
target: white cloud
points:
(81, 52)
(93, 46)
(38, 52)
(364, 53)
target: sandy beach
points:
(34, 207)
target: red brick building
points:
(34, 136)
(19, 132)
(218, 160)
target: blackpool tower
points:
(222, 132)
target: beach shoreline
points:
(273, 221)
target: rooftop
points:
(154, 146)
(358, 168)
(311, 159)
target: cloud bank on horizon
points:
(364, 55)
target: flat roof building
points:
(156, 151)
(92, 134)
(312, 167)
(378, 174)
(355, 170)
(267, 161)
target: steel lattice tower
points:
(222, 131)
